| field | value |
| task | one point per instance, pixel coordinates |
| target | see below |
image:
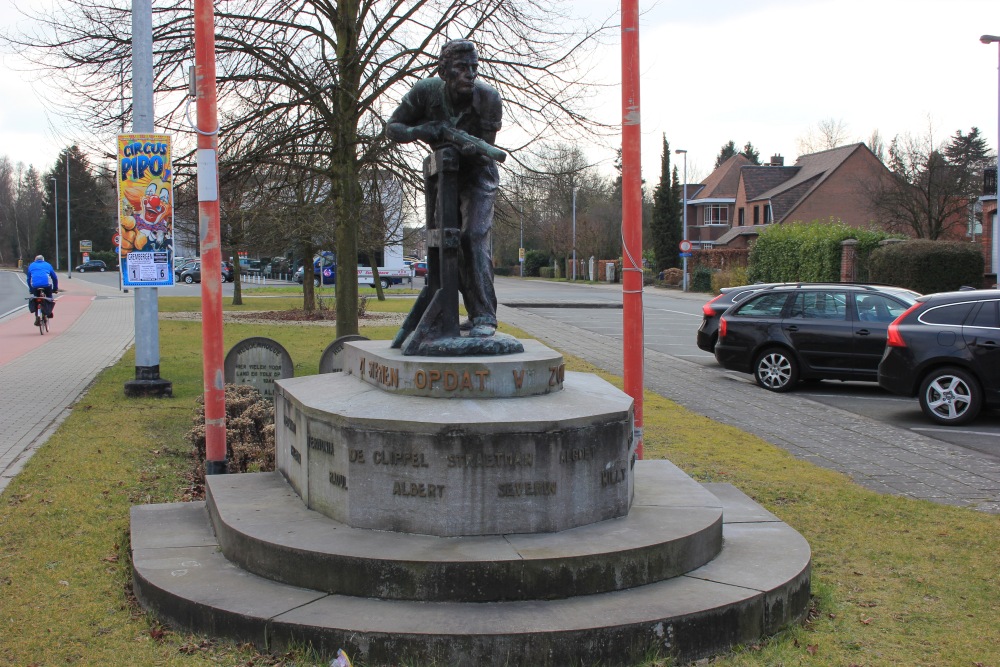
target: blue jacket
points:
(39, 273)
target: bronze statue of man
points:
(457, 99)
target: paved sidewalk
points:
(92, 329)
(878, 456)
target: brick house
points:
(819, 186)
(710, 205)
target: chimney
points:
(777, 161)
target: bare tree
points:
(828, 133)
(932, 186)
(321, 77)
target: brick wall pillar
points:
(848, 260)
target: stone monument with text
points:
(455, 496)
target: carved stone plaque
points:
(258, 362)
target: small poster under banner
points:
(145, 210)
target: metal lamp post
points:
(69, 246)
(55, 215)
(991, 39)
(684, 215)
(574, 232)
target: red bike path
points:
(19, 335)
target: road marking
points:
(676, 312)
(956, 430)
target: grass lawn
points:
(895, 581)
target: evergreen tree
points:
(728, 151)
(665, 224)
(751, 153)
(93, 210)
(675, 227)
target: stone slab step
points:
(263, 526)
(758, 584)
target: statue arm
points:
(409, 123)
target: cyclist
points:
(40, 275)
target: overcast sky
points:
(764, 71)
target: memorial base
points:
(473, 511)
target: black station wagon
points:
(810, 331)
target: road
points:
(671, 320)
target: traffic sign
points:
(685, 246)
(685, 254)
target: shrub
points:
(730, 277)
(927, 266)
(809, 252)
(545, 272)
(109, 257)
(647, 277)
(249, 434)
(672, 277)
(502, 271)
(534, 260)
(701, 279)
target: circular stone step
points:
(758, 584)
(675, 526)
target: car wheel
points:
(315, 282)
(950, 396)
(80, 270)
(385, 283)
(776, 370)
(103, 270)
(189, 279)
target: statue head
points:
(458, 65)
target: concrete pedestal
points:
(472, 466)
(468, 512)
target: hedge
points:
(928, 266)
(809, 252)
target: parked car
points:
(181, 264)
(945, 350)
(708, 332)
(92, 265)
(192, 273)
(420, 269)
(810, 331)
(324, 265)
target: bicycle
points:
(41, 306)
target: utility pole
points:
(211, 249)
(632, 215)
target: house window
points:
(717, 214)
(742, 217)
(756, 215)
(767, 214)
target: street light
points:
(574, 231)
(991, 39)
(55, 216)
(69, 247)
(684, 214)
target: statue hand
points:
(428, 132)
(468, 149)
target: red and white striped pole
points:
(632, 214)
(211, 249)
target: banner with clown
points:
(145, 210)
